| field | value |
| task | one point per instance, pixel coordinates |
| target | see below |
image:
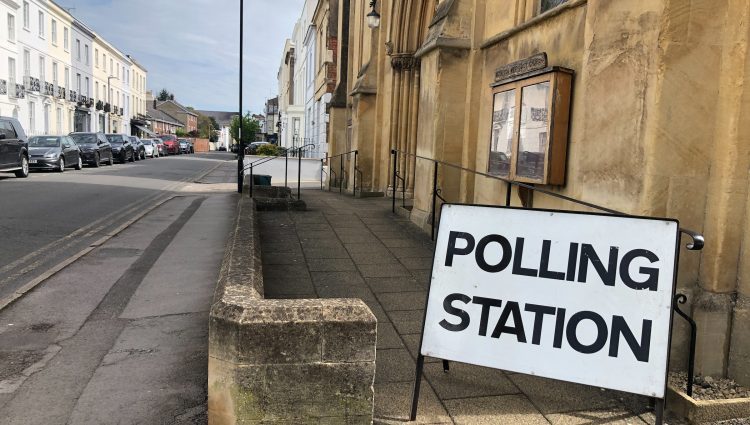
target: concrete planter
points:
(702, 411)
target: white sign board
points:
(577, 297)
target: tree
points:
(250, 127)
(180, 132)
(208, 128)
(164, 95)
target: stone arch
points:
(409, 25)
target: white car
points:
(152, 151)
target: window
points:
(46, 119)
(32, 118)
(78, 49)
(26, 19)
(11, 27)
(96, 89)
(59, 121)
(529, 133)
(78, 83)
(42, 73)
(105, 62)
(111, 67)
(54, 32)
(26, 63)
(65, 39)
(549, 4)
(54, 73)
(41, 24)
(86, 53)
(96, 58)
(87, 87)
(67, 77)
(11, 74)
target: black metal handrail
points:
(697, 240)
(343, 174)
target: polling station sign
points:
(584, 298)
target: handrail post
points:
(321, 172)
(299, 175)
(286, 167)
(252, 180)
(394, 152)
(341, 177)
(434, 200)
(354, 185)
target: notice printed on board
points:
(584, 298)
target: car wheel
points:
(132, 157)
(79, 165)
(61, 165)
(143, 154)
(97, 160)
(111, 159)
(24, 171)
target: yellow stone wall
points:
(659, 126)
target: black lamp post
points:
(373, 18)
(241, 153)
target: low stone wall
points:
(284, 361)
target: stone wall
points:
(284, 361)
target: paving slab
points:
(358, 248)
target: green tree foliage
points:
(208, 128)
(180, 132)
(250, 127)
(164, 95)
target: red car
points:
(171, 144)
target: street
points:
(106, 280)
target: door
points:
(70, 153)
(10, 148)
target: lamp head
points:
(373, 18)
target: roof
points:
(223, 118)
(182, 108)
(158, 115)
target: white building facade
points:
(48, 77)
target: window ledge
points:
(570, 4)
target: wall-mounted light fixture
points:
(373, 18)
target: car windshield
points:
(167, 138)
(84, 139)
(146, 142)
(115, 139)
(44, 142)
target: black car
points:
(14, 153)
(95, 148)
(140, 150)
(122, 149)
(54, 153)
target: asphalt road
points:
(105, 295)
(51, 216)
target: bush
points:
(267, 150)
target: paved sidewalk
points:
(346, 247)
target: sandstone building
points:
(656, 123)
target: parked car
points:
(184, 145)
(138, 148)
(95, 148)
(14, 153)
(192, 146)
(171, 143)
(150, 148)
(54, 153)
(222, 148)
(161, 147)
(122, 149)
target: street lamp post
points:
(109, 100)
(241, 153)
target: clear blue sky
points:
(191, 47)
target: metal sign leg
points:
(659, 411)
(417, 385)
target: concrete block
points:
(713, 314)
(705, 411)
(285, 361)
(739, 353)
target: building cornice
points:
(83, 28)
(443, 43)
(12, 4)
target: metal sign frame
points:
(659, 403)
